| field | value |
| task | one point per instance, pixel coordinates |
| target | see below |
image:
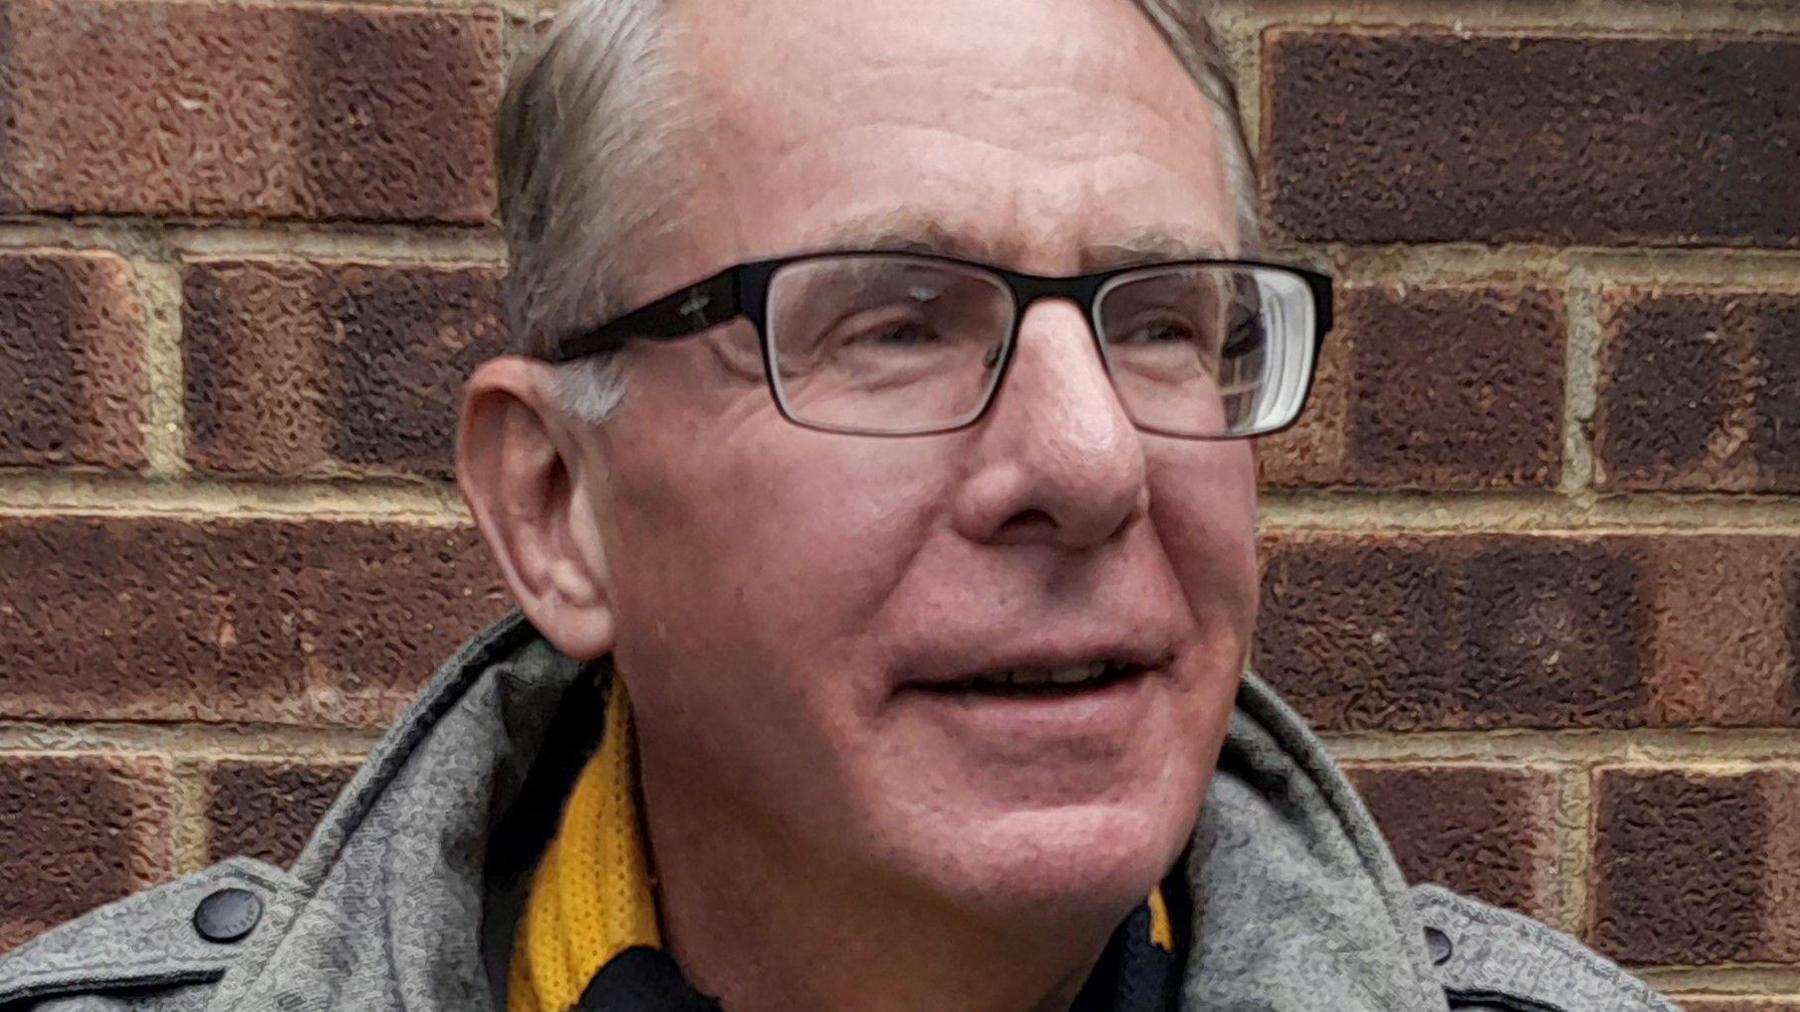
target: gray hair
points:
(591, 113)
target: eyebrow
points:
(903, 233)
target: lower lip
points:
(1108, 711)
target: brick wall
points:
(1533, 559)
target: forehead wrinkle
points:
(1151, 244)
(911, 231)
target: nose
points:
(1056, 461)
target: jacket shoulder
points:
(160, 950)
(1487, 958)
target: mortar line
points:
(1451, 263)
(1734, 981)
(1300, 510)
(1581, 398)
(34, 494)
(158, 285)
(188, 741)
(1575, 836)
(158, 238)
(191, 829)
(1603, 18)
(1720, 751)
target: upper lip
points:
(948, 666)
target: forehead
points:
(1036, 133)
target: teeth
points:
(1067, 674)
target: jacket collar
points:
(1298, 904)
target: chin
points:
(1081, 863)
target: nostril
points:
(1029, 519)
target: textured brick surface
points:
(311, 139)
(1693, 868)
(1469, 631)
(297, 368)
(1435, 387)
(268, 809)
(1455, 632)
(212, 110)
(1738, 1004)
(72, 387)
(1391, 136)
(1726, 641)
(1486, 831)
(290, 622)
(78, 831)
(1700, 389)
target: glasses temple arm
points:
(679, 314)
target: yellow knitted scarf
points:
(590, 897)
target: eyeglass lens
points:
(898, 344)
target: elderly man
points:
(877, 490)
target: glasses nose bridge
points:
(1029, 289)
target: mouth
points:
(1052, 681)
(1045, 712)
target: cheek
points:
(1203, 508)
(747, 525)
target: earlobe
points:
(519, 467)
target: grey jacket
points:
(1298, 905)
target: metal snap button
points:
(1438, 945)
(227, 915)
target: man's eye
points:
(1157, 332)
(891, 332)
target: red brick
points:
(243, 110)
(292, 622)
(1699, 390)
(1485, 831)
(1455, 631)
(1462, 631)
(71, 361)
(268, 809)
(317, 368)
(1696, 869)
(76, 832)
(1726, 642)
(1438, 387)
(1407, 136)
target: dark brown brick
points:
(1486, 831)
(78, 831)
(1443, 387)
(317, 368)
(1718, 1004)
(268, 809)
(1410, 136)
(1495, 630)
(71, 361)
(1456, 631)
(1686, 865)
(293, 622)
(243, 110)
(1699, 390)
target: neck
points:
(764, 926)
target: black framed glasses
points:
(897, 344)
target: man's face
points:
(790, 604)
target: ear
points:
(521, 469)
